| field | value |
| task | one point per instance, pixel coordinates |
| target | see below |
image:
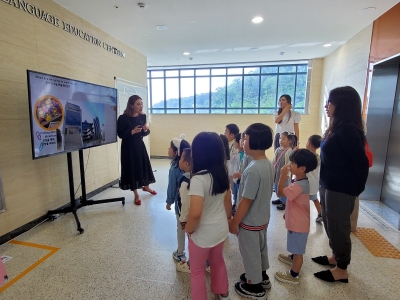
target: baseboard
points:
(24, 228)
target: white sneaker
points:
(285, 258)
(183, 267)
(224, 297)
(286, 277)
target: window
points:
(227, 90)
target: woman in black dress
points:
(136, 171)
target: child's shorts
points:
(297, 242)
(314, 197)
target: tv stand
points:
(73, 206)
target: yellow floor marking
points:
(376, 244)
(19, 276)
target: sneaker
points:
(285, 258)
(286, 277)
(224, 297)
(183, 267)
(250, 291)
(276, 202)
(266, 284)
(281, 206)
(319, 218)
(179, 256)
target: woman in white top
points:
(210, 209)
(286, 119)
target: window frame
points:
(225, 110)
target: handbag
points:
(369, 154)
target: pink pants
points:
(219, 276)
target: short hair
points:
(315, 140)
(187, 155)
(260, 136)
(233, 128)
(238, 137)
(304, 158)
(225, 143)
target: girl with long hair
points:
(210, 209)
(343, 174)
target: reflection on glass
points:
(218, 71)
(234, 96)
(218, 111)
(172, 73)
(157, 74)
(172, 92)
(251, 70)
(187, 92)
(157, 93)
(187, 72)
(250, 92)
(202, 92)
(301, 83)
(286, 85)
(235, 71)
(203, 72)
(287, 69)
(268, 91)
(302, 68)
(266, 70)
(218, 91)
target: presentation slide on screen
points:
(68, 115)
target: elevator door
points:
(391, 181)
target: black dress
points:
(136, 170)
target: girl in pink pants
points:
(210, 209)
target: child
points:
(185, 166)
(297, 215)
(313, 144)
(230, 131)
(207, 222)
(286, 141)
(235, 161)
(253, 212)
(174, 178)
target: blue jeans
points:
(283, 199)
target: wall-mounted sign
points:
(41, 14)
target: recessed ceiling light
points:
(186, 53)
(367, 10)
(257, 20)
(161, 27)
(116, 6)
(327, 45)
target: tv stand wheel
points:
(81, 230)
(123, 202)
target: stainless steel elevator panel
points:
(391, 181)
(379, 118)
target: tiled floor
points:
(126, 253)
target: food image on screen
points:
(49, 112)
(68, 115)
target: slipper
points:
(153, 192)
(327, 276)
(322, 260)
(138, 202)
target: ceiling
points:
(221, 31)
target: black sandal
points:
(328, 277)
(322, 260)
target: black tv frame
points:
(74, 204)
(31, 116)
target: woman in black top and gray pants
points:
(344, 172)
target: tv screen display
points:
(67, 115)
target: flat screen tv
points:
(68, 115)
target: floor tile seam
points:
(378, 220)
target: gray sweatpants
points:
(180, 234)
(336, 210)
(254, 251)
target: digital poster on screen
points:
(68, 115)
